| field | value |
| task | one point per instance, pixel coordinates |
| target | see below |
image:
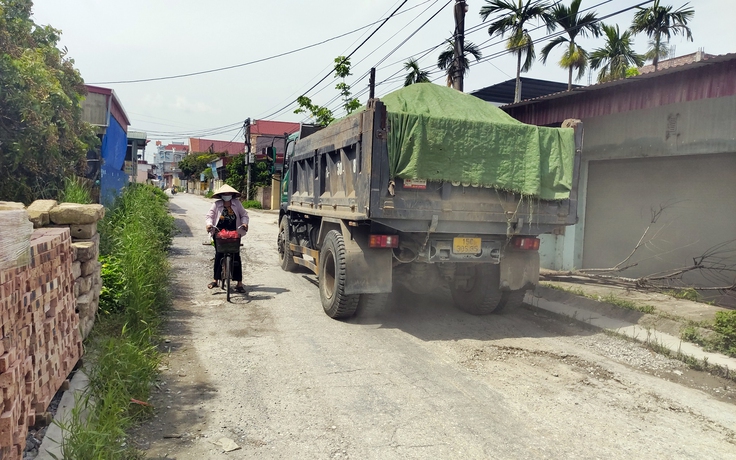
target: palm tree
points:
(616, 56)
(515, 16)
(446, 60)
(660, 21)
(575, 57)
(415, 75)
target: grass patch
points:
(134, 239)
(685, 294)
(252, 204)
(627, 304)
(76, 191)
(610, 298)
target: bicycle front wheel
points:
(228, 273)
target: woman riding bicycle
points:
(227, 213)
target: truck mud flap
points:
(519, 270)
(368, 270)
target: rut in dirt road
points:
(271, 372)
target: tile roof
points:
(215, 146)
(273, 128)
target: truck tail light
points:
(384, 241)
(525, 242)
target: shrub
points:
(252, 204)
(725, 324)
(208, 194)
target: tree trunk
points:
(656, 52)
(517, 93)
(569, 79)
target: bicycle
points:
(228, 247)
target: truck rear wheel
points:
(286, 257)
(479, 294)
(511, 300)
(332, 277)
(372, 304)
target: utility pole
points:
(246, 163)
(461, 7)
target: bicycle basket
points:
(227, 245)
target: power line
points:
(346, 57)
(220, 69)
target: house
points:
(198, 145)
(660, 146)
(166, 159)
(266, 133)
(102, 109)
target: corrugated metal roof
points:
(630, 80)
(531, 88)
(711, 78)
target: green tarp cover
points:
(438, 133)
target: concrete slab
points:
(51, 445)
(631, 324)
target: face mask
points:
(226, 197)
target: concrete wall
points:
(703, 129)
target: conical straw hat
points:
(226, 189)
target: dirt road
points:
(271, 372)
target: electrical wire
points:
(346, 57)
(220, 69)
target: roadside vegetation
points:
(76, 191)
(122, 354)
(716, 336)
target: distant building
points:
(266, 133)
(106, 167)
(166, 159)
(197, 145)
(676, 62)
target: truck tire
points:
(335, 302)
(511, 300)
(481, 295)
(286, 257)
(372, 304)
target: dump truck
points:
(425, 188)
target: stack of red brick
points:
(40, 343)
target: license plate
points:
(419, 184)
(466, 245)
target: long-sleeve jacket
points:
(241, 215)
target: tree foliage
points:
(43, 139)
(322, 115)
(416, 74)
(515, 16)
(570, 19)
(659, 22)
(616, 56)
(447, 62)
(196, 163)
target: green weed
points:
(252, 204)
(135, 237)
(686, 294)
(76, 191)
(725, 324)
(627, 304)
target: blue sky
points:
(136, 39)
